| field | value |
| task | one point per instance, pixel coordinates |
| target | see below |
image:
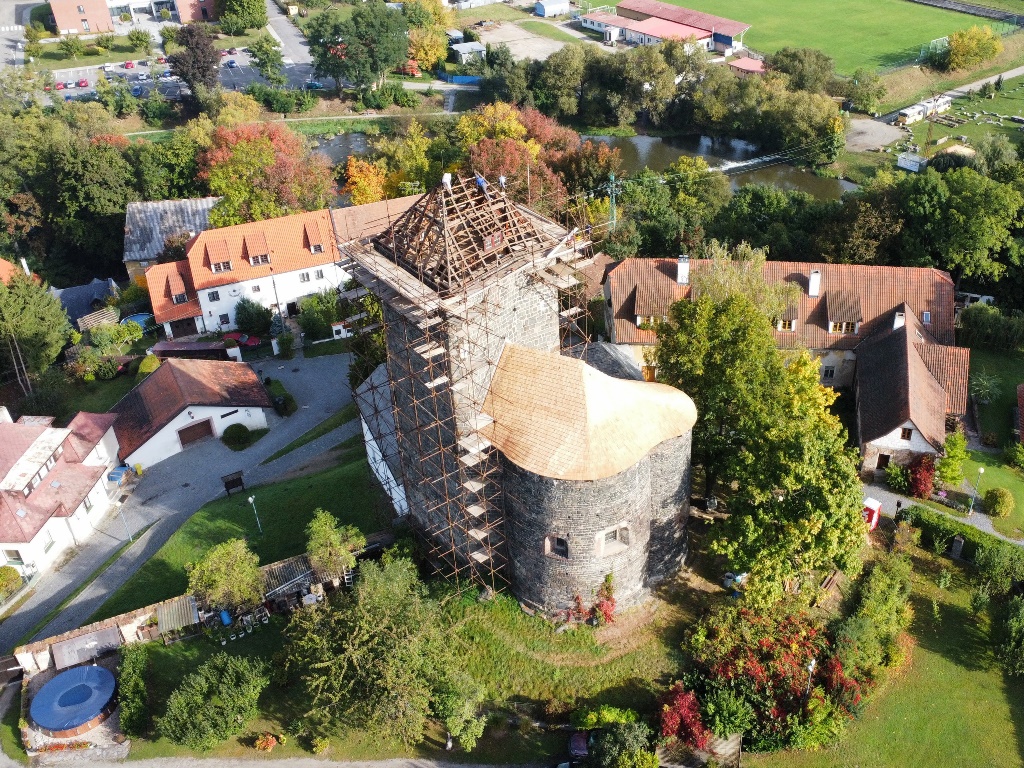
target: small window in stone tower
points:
(613, 540)
(556, 546)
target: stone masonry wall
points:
(538, 507)
(670, 506)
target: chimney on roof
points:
(446, 180)
(814, 284)
(899, 321)
(24, 265)
(683, 270)
(5, 415)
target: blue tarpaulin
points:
(73, 698)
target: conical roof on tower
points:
(462, 230)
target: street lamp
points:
(977, 491)
(252, 500)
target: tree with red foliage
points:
(680, 718)
(922, 476)
(528, 179)
(552, 137)
(587, 166)
(604, 608)
(262, 171)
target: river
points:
(657, 154)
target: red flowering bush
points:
(922, 476)
(604, 608)
(680, 718)
(265, 742)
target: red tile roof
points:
(902, 374)
(686, 16)
(174, 386)
(648, 287)
(87, 429)
(165, 281)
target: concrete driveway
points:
(170, 492)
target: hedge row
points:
(1000, 561)
(132, 694)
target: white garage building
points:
(184, 401)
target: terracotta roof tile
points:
(166, 281)
(844, 306)
(87, 429)
(644, 284)
(177, 384)
(950, 366)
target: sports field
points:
(856, 33)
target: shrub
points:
(155, 110)
(252, 318)
(107, 369)
(317, 313)
(286, 346)
(680, 718)
(985, 387)
(149, 364)
(236, 435)
(266, 742)
(618, 744)
(922, 476)
(10, 580)
(284, 403)
(725, 713)
(214, 702)
(168, 34)
(1011, 651)
(320, 744)
(884, 602)
(165, 14)
(898, 478)
(999, 502)
(1013, 455)
(950, 468)
(132, 693)
(586, 718)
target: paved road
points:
(293, 42)
(173, 490)
(879, 490)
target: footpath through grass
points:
(344, 416)
(285, 508)
(950, 705)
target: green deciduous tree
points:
(228, 576)
(808, 68)
(252, 13)
(618, 744)
(698, 194)
(252, 318)
(198, 62)
(265, 53)
(377, 658)
(111, 338)
(33, 328)
(330, 545)
(140, 40)
(362, 48)
(740, 272)
(71, 46)
(216, 701)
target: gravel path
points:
(173, 490)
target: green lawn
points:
(284, 509)
(494, 12)
(330, 347)
(1009, 101)
(344, 416)
(951, 705)
(10, 734)
(98, 396)
(856, 33)
(999, 475)
(997, 416)
(550, 31)
(52, 58)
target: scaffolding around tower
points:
(459, 272)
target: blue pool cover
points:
(73, 698)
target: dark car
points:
(578, 744)
(138, 91)
(231, 64)
(313, 85)
(233, 51)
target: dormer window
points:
(221, 266)
(926, 318)
(263, 258)
(785, 325)
(844, 327)
(316, 248)
(179, 298)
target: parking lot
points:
(236, 73)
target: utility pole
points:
(611, 207)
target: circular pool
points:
(75, 701)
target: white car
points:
(143, 78)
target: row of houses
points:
(884, 333)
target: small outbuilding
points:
(466, 52)
(184, 401)
(548, 8)
(910, 161)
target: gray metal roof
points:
(85, 647)
(148, 225)
(175, 614)
(79, 300)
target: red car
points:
(161, 59)
(59, 86)
(129, 65)
(83, 83)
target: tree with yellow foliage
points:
(364, 181)
(428, 46)
(491, 121)
(970, 47)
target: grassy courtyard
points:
(997, 416)
(856, 33)
(284, 509)
(550, 31)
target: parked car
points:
(70, 85)
(59, 86)
(138, 91)
(223, 53)
(144, 63)
(165, 76)
(313, 85)
(161, 59)
(83, 83)
(231, 64)
(143, 77)
(108, 67)
(233, 51)
(129, 65)
(578, 746)
(69, 97)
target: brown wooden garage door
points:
(194, 432)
